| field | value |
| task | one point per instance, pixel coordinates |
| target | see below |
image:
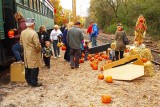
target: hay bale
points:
(126, 54)
(148, 69)
(144, 52)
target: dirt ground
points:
(65, 87)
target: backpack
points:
(125, 39)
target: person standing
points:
(120, 46)
(63, 27)
(74, 39)
(89, 30)
(95, 32)
(43, 35)
(55, 37)
(21, 26)
(32, 53)
(67, 52)
(47, 53)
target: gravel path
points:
(65, 87)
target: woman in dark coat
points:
(67, 52)
(120, 46)
(17, 48)
(43, 35)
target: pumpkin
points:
(144, 60)
(92, 59)
(100, 58)
(109, 79)
(127, 50)
(89, 55)
(82, 55)
(81, 60)
(95, 67)
(96, 56)
(101, 76)
(91, 64)
(106, 99)
(105, 57)
(11, 33)
(63, 48)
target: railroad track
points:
(104, 38)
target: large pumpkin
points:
(10, 33)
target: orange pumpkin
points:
(82, 55)
(127, 50)
(92, 59)
(109, 79)
(144, 60)
(95, 67)
(100, 58)
(101, 76)
(81, 60)
(105, 57)
(63, 48)
(96, 56)
(91, 64)
(106, 99)
(109, 61)
(10, 33)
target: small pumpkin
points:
(63, 48)
(92, 59)
(101, 76)
(82, 55)
(91, 64)
(106, 99)
(144, 60)
(105, 57)
(11, 33)
(100, 58)
(96, 56)
(109, 79)
(95, 67)
(81, 60)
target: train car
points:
(40, 10)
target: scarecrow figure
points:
(140, 30)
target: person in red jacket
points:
(89, 30)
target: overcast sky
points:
(82, 6)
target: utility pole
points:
(74, 8)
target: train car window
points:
(44, 9)
(26, 2)
(31, 4)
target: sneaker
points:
(55, 57)
(37, 85)
(59, 56)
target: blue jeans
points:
(90, 37)
(94, 41)
(56, 48)
(16, 50)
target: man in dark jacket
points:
(74, 39)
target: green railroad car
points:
(40, 10)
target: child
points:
(47, 53)
(111, 54)
(86, 50)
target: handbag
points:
(125, 39)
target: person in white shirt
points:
(55, 37)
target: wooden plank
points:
(99, 48)
(123, 61)
(126, 72)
